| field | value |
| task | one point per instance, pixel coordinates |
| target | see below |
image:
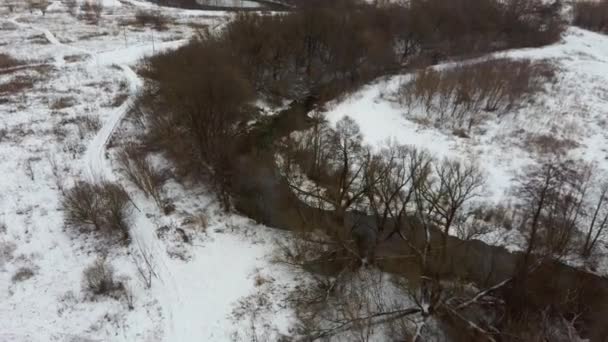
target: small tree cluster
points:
(458, 96)
(38, 5)
(142, 173)
(101, 208)
(564, 209)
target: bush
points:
(99, 279)
(592, 15)
(101, 208)
(7, 61)
(464, 27)
(155, 19)
(17, 85)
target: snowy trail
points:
(97, 167)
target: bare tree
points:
(554, 196)
(454, 184)
(598, 223)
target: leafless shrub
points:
(197, 221)
(147, 177)
(98, 279)
(99, 208)
(17, 85)
(55, 169)
(153, 18)
(22, 274)
(459, 96)
(74, 58)
(200, 135)
(119, 99)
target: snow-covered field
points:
(571, 110)
(56, 131)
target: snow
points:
(573, 109)
(198, 285)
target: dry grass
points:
(549, 144)
(155, 19)
(7, 61)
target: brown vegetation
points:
(99, 280)
(152, 18)
(591, 14)
(99, 208)
(458, 96)
(198, 97)
(139, 171)
(7, 61)
(91, 11)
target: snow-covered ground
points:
(230, 3)
(572, 110)
(57, 131)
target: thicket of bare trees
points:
(591, 14)
(459, 96)
(404, 194)
(198, 97)
(388, 184)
